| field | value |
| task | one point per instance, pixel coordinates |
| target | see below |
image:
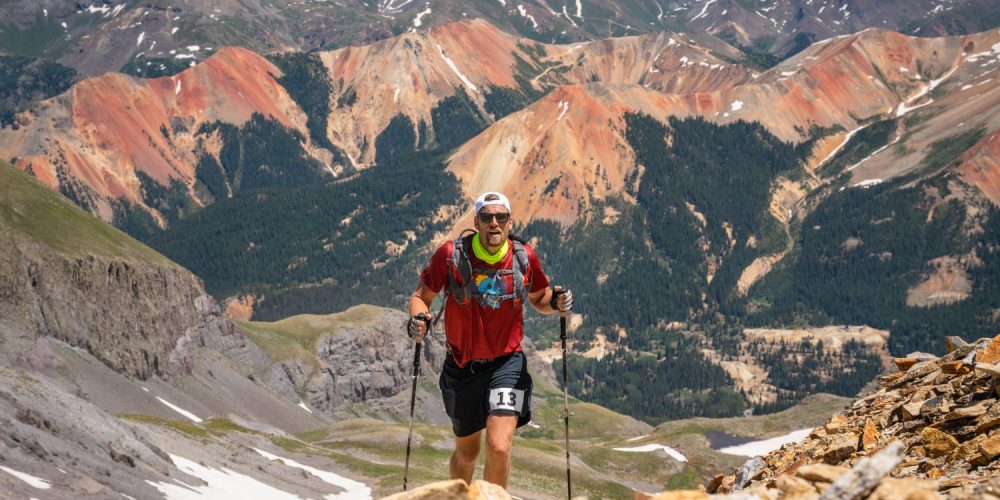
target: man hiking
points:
(488, 276)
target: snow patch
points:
(392, 6)
(704, 10)
(638, 438)
(184, 56)
(674, 454)
(759, 448)
(45, 12)
(417, 21)
(570, 19)
(904, 107)
(524, 13)
(579, 9)
(219, 483)
(93, 9)
(118, 8)
(451, 64)
(141, 37)
(64, 25)
(869, 183)
(302, 404)
(193, 48)
(737, 105)
(177, 89)
(395, 96)
(564, 106)
(841, 146)
(34, 482)
(174, 30)
(352, 489)
(190, 416)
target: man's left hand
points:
(562, 299)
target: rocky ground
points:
(931, 432)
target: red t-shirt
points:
(477, 331)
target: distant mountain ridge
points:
(165, 37)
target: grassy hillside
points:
(36, 213)
(296, 337)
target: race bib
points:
(507, 399)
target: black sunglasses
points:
(501, 218)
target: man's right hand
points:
(417, 326)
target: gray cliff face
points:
(372, 365)
(128, 314)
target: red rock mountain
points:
(574, 135)
(106, 128)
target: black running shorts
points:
(472, 393)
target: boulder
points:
(937, 443)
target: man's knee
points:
(498, 445)
(467, 448)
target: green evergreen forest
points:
(25, 79)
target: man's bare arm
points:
(420, 302)
(540, 300)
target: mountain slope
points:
(95, 140)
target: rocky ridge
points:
(930, 432)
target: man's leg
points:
(499, 435)
(463, 459)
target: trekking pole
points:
(413, 394)
(562, 337)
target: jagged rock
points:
(937, 443)
(865, 476)
(840, 447)
(989, 353)
(934, 407)
(795, 487)
(905, 489)
(749, 471)
(968, 450)
(821, 473)
(990, 447)
(455, 489)
(970, 411)
(869, 438)
(905, 364)
(837, 424)
(953, 342)
(988, 368)
(715, 483)
(956, 367)
(911, 411)
(990, 419)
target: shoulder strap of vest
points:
(520, 268)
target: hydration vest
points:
(460, 274)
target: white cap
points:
(492, 198)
